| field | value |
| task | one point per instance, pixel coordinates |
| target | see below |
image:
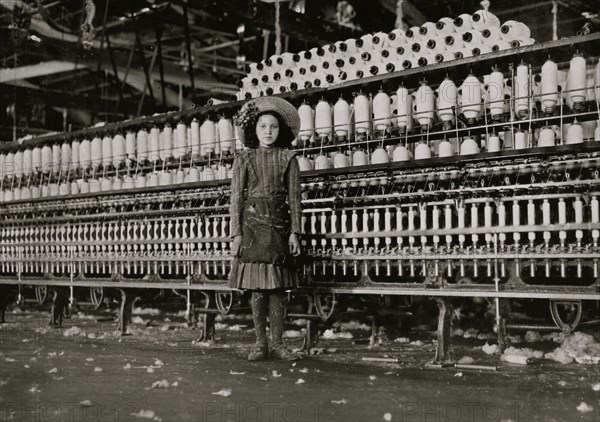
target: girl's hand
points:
(236, 246)
(294, 244)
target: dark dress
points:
(265, 208)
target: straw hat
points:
(248, 114)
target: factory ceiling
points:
(74, 63)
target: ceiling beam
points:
(74, 54)
(208, 61)
(65, 77)
(175, 36)
(90, 87)
(22, 84)
(50, 67)
(579, 6)
(223, 45)
(173, 73)
(521, 8)
(179, 77)
(311, 29)
(135, 78)
(68, 49)
(53, 98)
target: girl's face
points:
(267, 130)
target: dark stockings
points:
(273, 303)
(260, 305)
(276, 315)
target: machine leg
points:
(127, 299)
(442, 353)
(206, 322)
(311, 338)
(60, 301)
(378, 331)
(3, 303)
(373, 340)
(71, 303)
(191, 315)
(502, 315)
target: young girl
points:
(265, 217)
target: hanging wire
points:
(399, 15)
(554, 12)
(15, 97)
(277, 27)
(87, 27)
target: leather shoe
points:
(283, 353)
(259, 352)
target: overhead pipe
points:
(188, 45)
(160, 64)
(99, 65)
(121, 103)
(144, 65)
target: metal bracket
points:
(3, 303)
(96, 296)
(41, 294)
(442, 353)
(566, 327)
(127, 298)
(206, 320)
(224, 301)
(321, 311)
(60, 302)
(365, 279)
(311, 338)
(206, 323)
(500, 328)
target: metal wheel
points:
(205, 304)
(41, 294)
(325, 304)
(96, 296)
(224, 302)
(566, 314)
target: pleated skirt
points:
(261, 276)
(264, 262)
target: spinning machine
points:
(474, 178)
